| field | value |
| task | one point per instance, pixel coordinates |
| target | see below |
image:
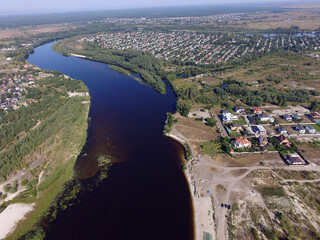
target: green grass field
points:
(211, 147)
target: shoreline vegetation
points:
(151, 69)
(41, 163)
(120, 70)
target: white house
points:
(265, 118)
(310, 129)
(282, 131)
(294, 159)
(296, 116)
(227, 116)
(287, 117)
(300, 129)
(239, 109)
(259, 129)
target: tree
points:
(211, 122)
(183, 107)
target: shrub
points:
(24, 182)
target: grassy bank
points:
(119, 69)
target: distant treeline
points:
(182, 11)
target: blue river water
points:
(146, 195)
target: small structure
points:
(259, 129)
(315, 116)
(257, 110)
(239, 109)
(265, 118)
(241, 142)
(283, 140)
(227, 116)
(296, 116)
(300, 129)
(282, 130)
(236, 127)
(310, 129)
(263, 141)
(287, 117)
(294, 159)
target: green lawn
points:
(316, 127)
(241, 121)
(235, 134)
(211, 147)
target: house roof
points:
(314, 115)
(263, 115)
(225, 111)
(299, 128)
(236, 125)
(239, 107)
(294, 158)
(283, 138)
(242, 140)
(257, 109)
(281, 129)
(310, 128)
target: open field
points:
(27, 32)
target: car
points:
(229, 207)
(222, 204)
(225, 205)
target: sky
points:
(14, 6)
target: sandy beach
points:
(202, 206)
(11, 216)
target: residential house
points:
(315, 116)
(236, 127)
(282, 130)
(259, 129)
(227, 116)
(265, 118)
(239, 109)
(287, 117)
(296, 116)
(241, 142)
(257, 110)
(283, 140)
(263, 141)
(294, 159)
(300, 129)
(310, 129)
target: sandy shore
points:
(202, 206)
(11, 216)
(77, 55)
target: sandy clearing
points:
(11, 216)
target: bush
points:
(273, 191)
(24, 182)
(211, 122)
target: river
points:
(146, 195)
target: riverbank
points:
(202, 205)
(47, 152)
(11, 216)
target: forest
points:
(50, 106)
